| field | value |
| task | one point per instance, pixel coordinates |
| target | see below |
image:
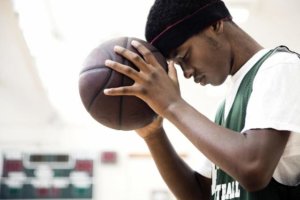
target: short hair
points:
(165, 13)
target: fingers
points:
(147, 54)
(137, 60)
(127, 71)
(172, 72)
(155, 127)
(125, 90)
(158, 119)
(123, 69)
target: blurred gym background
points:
(50, 148)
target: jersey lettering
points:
(227, 191)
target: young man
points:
(255, 143)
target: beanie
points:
(177, 29)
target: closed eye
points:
(182, 59)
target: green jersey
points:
(226, 187)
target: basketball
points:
(116, 112)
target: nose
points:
(188, 73)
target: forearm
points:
(202, 132)
(250, 158)
(179, 177)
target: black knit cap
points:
(171, 22)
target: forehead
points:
(173, 54)
(179, 50)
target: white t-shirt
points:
(274, 103)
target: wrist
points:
(174, 109)
(152, 134)
(151, 129)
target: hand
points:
(154, 127)
(151, 83)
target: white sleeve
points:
(205, 167)
(275, 99)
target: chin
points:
(219, 82)
(214, 84)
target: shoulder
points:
(281, 59)
(275, 94)
(281, 67)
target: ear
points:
(218, 27)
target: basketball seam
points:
(101, 89)
(91, 68)
(122, 97)
(118, 118)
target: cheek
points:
(212, 61)
(217, 70)
(221, 59)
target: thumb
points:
(172, 72)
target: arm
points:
(250, 157)
(180, 178)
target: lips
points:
(200, 79)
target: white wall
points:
(26, 112)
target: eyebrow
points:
(173, 54)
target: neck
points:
(243, 48)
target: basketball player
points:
(254, 143)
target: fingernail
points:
(118, 48)
(106, 91)
(108, 62)
(134, 42)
